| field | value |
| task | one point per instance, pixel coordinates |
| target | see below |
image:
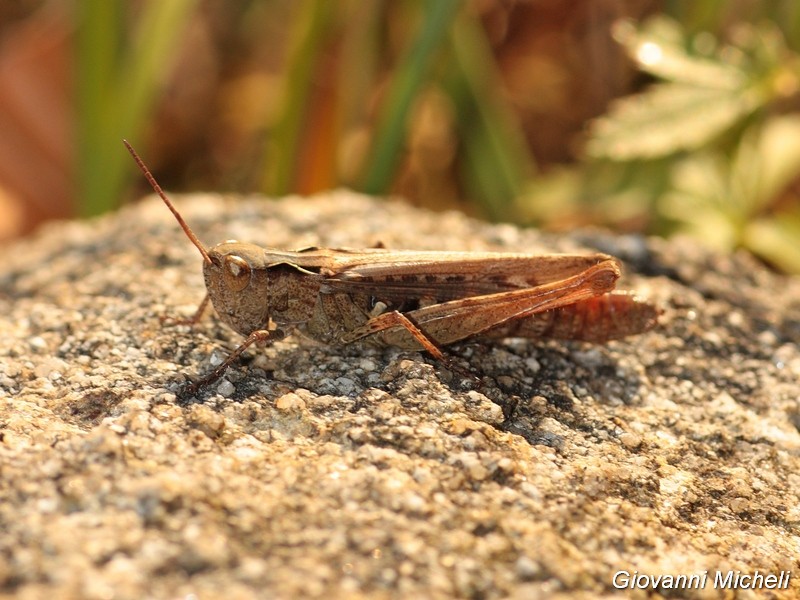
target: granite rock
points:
(359, 472)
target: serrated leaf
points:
(777, 240)
(703, 176)
(766, 162)
(661, 48)
(613, 194)
(698, 200)
(667, 118)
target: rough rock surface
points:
(314, 471)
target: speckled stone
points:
(323, 472)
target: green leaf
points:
(776, 239)
(766, 162)
(699, 200)
(615, 194)
(667, 118)
(661, 48)
(708, 88)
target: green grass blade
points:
(312, 29)
(411, 75)
(117, 85)
(97, 44)
(497, 160)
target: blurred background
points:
(660, 117)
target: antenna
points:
(152, 180)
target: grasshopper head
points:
(237, 287)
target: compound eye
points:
(237, 272)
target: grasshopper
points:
(413, 300)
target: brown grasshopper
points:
(409, 299)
